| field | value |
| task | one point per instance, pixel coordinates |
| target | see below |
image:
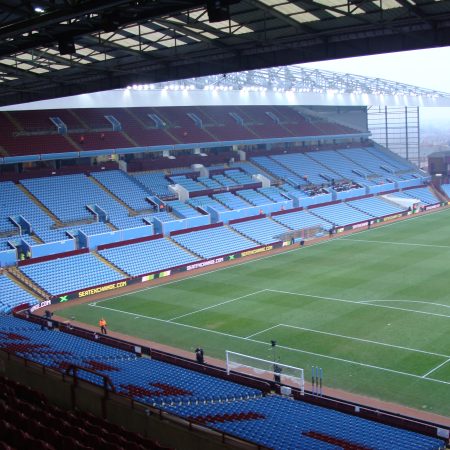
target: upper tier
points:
(76, 130)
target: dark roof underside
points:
(118, 43)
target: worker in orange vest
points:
(102, 324)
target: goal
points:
(262, 368)
(304, 233)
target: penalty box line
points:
(220, 269)
(333, 358)
(216, 305)
(358, 302)
(367, 341)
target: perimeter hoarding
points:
(163, 273)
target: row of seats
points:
(214, 242)
(341, 214)
(264, 231)
(376, 206)
(254, 197)
(284, 424)
(146, 380)
(60, 276)
(12, 295)
(272, 421)
(147, 257)
(30, 421)
(183, 210)
(124, 187)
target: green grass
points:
(372, 309)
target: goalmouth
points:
(262, 368)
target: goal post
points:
(262, 368)
(303, 233)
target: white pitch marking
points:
(364, 340)
(263, 331)
(406, 301)
(436, 368)
(202, 274)
(412, 244)
(336, 239)
(334, 358)
(358, 303)
(406, 219)
(217, 304)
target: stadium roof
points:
(56, 48)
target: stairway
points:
(110, 264)
(72, 142)
(131, 211)
(183, 248)
(26, 283)
(38, 203)
(438, 193)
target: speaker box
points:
(218, 10)
(66, 46)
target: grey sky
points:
(425, 68)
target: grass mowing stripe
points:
(412, 244)
(219, 269)
(334, 358)
(340, 238)
(361, 340)
(216, 305)
(363, 303)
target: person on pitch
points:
(102, 324)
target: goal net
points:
(262, 368)
(304, 233)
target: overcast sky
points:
(425, 68)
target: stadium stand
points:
(273, 193)
(14, 203)
(342, 166)
(424, 194)
(235, 409)
(299, 220)
(188, 183)
(182, 210)
(12, 295)
(155, 182)
(254, 197)
(60, 276)
(231, 201)
(22, 425)
(71, 206)
(264, 231)
(238, 177)
(59, 234)
(341, 214)
(224, 180)
(375, 206)
(209, 183)
(147, 257)
(309, 170)
(446, 189)
(124, 187)
(277, 170)
(303, 426)
(213, 242)
(204, 200)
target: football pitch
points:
(371, 308)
